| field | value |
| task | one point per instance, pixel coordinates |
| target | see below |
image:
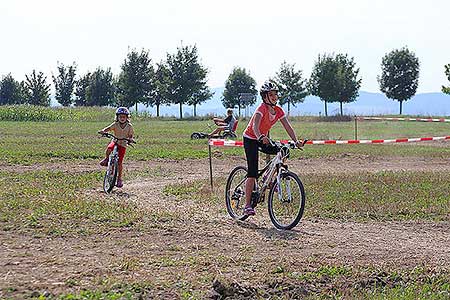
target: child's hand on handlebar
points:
(101, 132)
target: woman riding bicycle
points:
(122, 129)
(255, 136)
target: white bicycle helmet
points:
(122, 110)
(267, 86)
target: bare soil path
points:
(194, 240)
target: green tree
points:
(101, 89)
(11, 91)
(399, 75)
(446, 89)
(239, 81)
(187, 77)
(38, 90)
(201, 92)
(291, 84)
(324, 82)
(135, 84)
(64, 84)
(347, 75)
(162, 82)
(199, 97)
(81, 88)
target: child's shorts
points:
(121, 150)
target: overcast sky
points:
(257, 35)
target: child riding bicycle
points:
(224, 124)
(255, 136)
(122, 129)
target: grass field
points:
(50, 194)
(77, 140)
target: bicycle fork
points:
(112, 157)
(287, 188)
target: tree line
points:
(334, 78)
(182, 79)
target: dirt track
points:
(197, 238)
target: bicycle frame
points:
(267, 173)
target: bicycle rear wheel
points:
(235, 193)
(286, 202)
(109, 181)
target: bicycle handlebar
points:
(109, 135)
(291, 144)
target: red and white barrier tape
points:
(404, 119)
(221, 142)
(232, 143)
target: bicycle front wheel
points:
(235, 193)
(286, 201)
(109, 181)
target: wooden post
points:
(210, 166)
(356, 128)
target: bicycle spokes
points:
(235, 193)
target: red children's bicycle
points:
(109, 181)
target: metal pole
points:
(210, 166)
(356, 128)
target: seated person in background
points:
(224, 124)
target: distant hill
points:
(426, 104)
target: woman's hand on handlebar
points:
(265, 140)
(300, 143)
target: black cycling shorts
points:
(251, 148)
